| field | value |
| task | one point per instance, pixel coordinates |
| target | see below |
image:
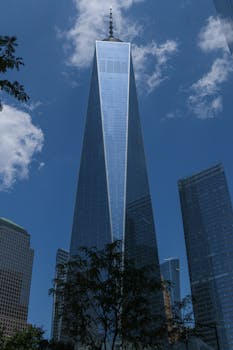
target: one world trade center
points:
(113, 198)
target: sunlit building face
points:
(113, 198)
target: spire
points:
(110, 24)
(110, 33)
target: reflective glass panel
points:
(113, 61)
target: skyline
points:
(186, 143)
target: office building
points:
(208, 228)
(113, 199)
(16, 259)
(61, 258)
(170, 270)
(225, 12)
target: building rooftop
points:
(112, 39)
(201, 175)
(7, 222)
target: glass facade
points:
(91, 223)
(208, 227)
(225, 12)
(170, 270)
(113, 73)
(113, 198)
(62, 257)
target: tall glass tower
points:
(62, 258)
(113, 198)
(208, 227)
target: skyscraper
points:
(61, 258)
(16, 259)
(225, 12)
(113, 199)
(170, 270)
(208, 227)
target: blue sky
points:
(185, 83)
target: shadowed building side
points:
(208, 227)
(91, 223)
(16, 259)
(62, 258)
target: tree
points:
(32, 338)
(8, 60)
(2, 338)
(104, 300)
(29, 339)
(182, 324)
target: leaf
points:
(15, 89)
(8, 60)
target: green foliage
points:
(182, 325)
(32, 338)
(104, 300)
(8, 60)
(29, 339)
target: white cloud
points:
(185, 3)
(214, 34)
(41, 165)
(91, 23)
(33, 105)
(205, 100)
(177, 114)
(156, 56)
(19, 141)
(170, 115)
